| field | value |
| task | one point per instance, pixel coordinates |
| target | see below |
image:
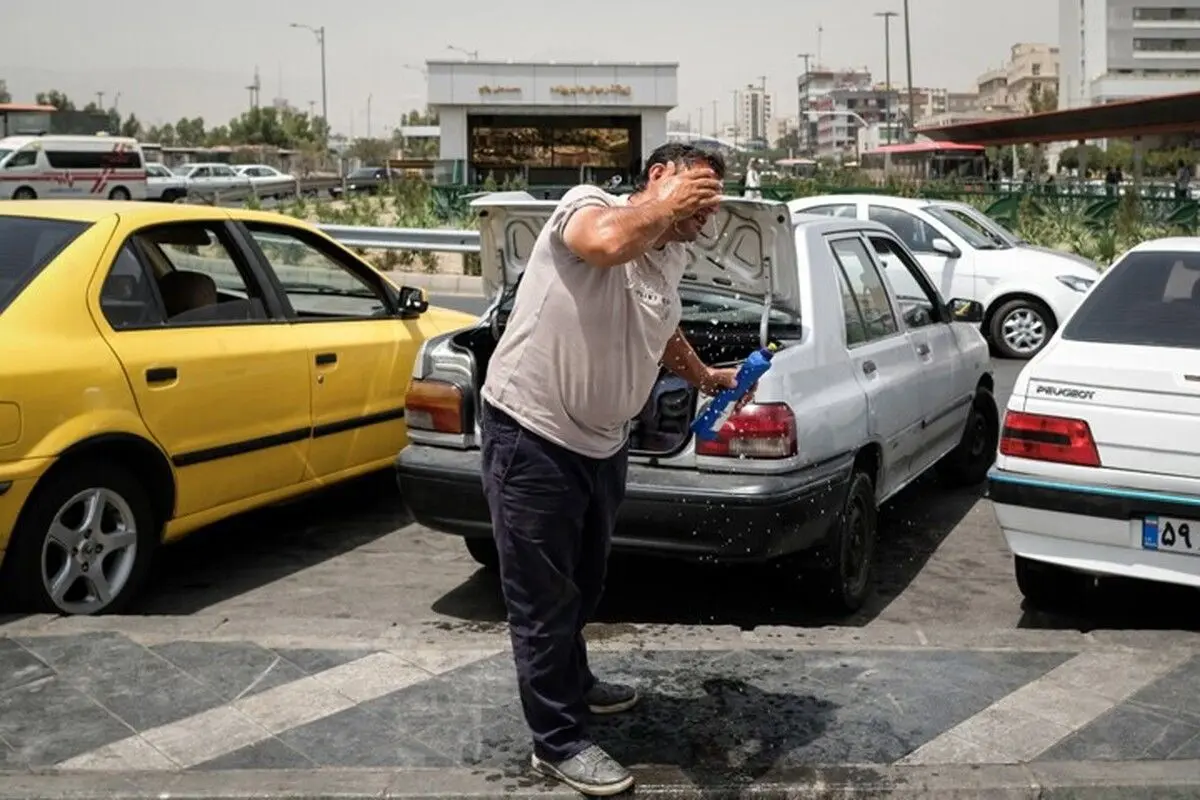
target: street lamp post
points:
(736, 120)
(887, 69)
(912, 119)
(320, 34)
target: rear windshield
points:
(1150, 298)
(702, 307)
(26, 246)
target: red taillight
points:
(434, 406)
(1042, 438)
(766, 430)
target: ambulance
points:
(49, 167)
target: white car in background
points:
(268, 181)
(1098, 470)
(1027, 292)
(215, 181)
(163, 185)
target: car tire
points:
(484, 552)
(969, 462)
(848, 555)
(61, 501)
(1049, 587)
(1024, 320)
(24, 193)
(119, 193)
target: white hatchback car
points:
(1027, 291)
(1098, 470)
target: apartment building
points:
(1116, 50)
(929, 102)
(813, 88)
(1030, 71)
(842, 114)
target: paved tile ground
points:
(102, 701)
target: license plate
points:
(1171, 534)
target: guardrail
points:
(433, 240)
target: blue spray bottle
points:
(714, 416)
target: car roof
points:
(1186, 244)
(92, 211)
(820, 224)
(891, 200)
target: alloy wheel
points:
(89, 551)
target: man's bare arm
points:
(607, 237)
(681, 359)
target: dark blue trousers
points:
(553, 513)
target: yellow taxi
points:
(163, 367)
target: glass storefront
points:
(553, 149)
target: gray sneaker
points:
(592, 772)
(611, 698)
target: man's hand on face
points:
(685, 192)
(718, 378)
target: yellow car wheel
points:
(84, 541)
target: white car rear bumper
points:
(1093, 529)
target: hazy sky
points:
(169, 58)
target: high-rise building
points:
(1126, 49)
(755, 113)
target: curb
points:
(1125, 780)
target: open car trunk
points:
(740, 291)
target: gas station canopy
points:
(1166, 114)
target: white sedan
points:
(1027, 291)
(268, 181)
(1098, 470)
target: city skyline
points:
(377, 50)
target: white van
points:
(66, 167)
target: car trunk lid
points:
(749, 248)
(1141, 403)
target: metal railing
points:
(433, 240)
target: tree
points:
(1042, 98)
(5, 97)
(190, 132)
(132, 127)
(275, 127)
(161, 134)
(371, 151)
(55, 98)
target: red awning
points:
(19, 108)
(1165, 114)
(926, 147)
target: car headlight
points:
(1076, 283)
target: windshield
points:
(3, 155)
(1148, 298)
(184, 170)
(979, 232)
(26, 246)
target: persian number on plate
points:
(1170, 534)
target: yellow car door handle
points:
(161, 374)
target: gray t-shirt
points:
(581, 350)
